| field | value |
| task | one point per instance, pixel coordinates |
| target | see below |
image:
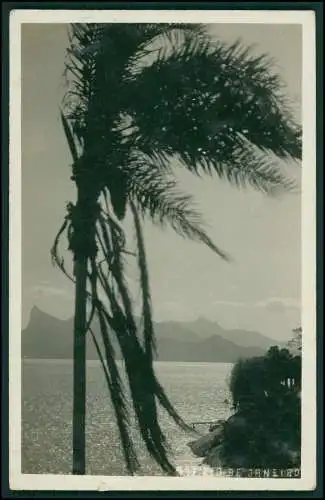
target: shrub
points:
(265, 430)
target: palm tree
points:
(139, 97)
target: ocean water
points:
(198, 391)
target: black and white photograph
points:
(162, 240)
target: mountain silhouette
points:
(203, 328)
(199, 341)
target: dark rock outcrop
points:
(211, 446)
(202, 446)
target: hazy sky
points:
(260, 290)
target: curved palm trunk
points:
(79, 368)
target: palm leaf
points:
(208, 99)
(141, 382)
(148, 328)
(117, 395)
(157, 196)
(69, 137)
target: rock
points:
(203, 445)
(236, 421)
(212, 458)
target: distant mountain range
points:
(198, 341)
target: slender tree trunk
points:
(84, 222)
(79, 368)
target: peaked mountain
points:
(204, 328)
(198, 341)
(48, 337)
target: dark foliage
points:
(265, 430)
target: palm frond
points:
(156, 40)
(157, 195)
(70, 138)
(143, 383)
(117, 394)
(148, 328)
(249, 166)
(80, 61)
(209, 97)
(140, 378)
(118, 398)
(56, 257)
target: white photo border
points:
(307, 482)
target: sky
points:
(260, 290)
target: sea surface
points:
(198, 391)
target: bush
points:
(265, 430)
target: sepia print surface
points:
(164, 190)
